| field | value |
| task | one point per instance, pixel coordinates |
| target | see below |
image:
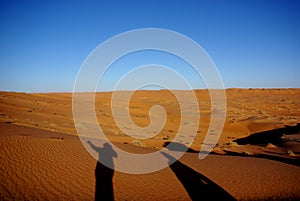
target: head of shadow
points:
(176, 146)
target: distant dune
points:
(43, 158)
(249, 111)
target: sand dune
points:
(248, 111)
(42, 157)
(38, 164)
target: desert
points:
(150, 100)
(256, 157)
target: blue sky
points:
(44, 43)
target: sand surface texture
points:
(42, 157)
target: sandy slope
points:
(41, 156)
(248, 111)
(37, 165)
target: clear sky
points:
(253, 43)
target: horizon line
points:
(109, 91)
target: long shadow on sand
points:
(273, 136)
(278, 137)
(104, 175)
(197, 185)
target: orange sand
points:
(42, 158)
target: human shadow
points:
(104, 172)
(197, 185)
